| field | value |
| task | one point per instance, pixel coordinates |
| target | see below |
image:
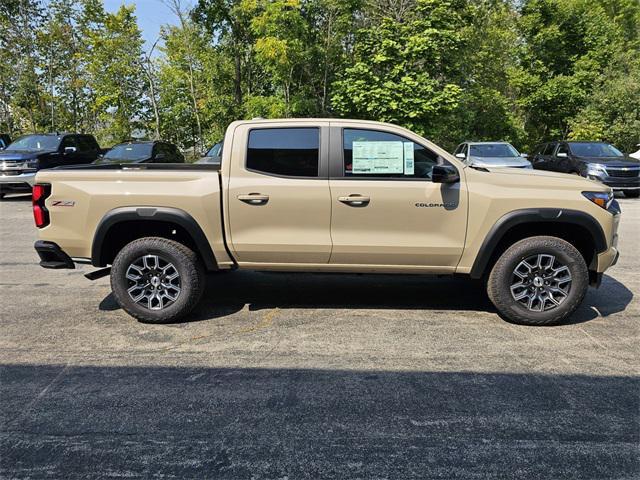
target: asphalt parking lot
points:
(281, 376)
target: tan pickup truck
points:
(328, 195)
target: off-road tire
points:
(187, 264)
(631, 193)
(500, 280)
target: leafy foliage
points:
(526, 71)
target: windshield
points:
(215, 151)
(493, 150)
(36, 142)
(594, 150)
(129, 152)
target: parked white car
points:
(636, 154)
(491, 155)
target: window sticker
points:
(408, 158)
(378, 157)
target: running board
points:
(103, 272)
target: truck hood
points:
(21, 155)
(543, 179)
(499, 162)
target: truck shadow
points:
(229, 292)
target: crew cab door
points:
(279, 208)
(562, 163)
(386, 211)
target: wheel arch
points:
(125, 224)
(579, 228)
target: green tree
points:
(64, 67)
(195, 82)
(612, 112)
(21, 87)
(402, 71)
(566, 47)
(113, 59)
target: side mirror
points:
(461, 156)
(561, 155)
(68, 150)
(444, 174)
(524, 155)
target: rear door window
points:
(292, 152)
(69, 141)
(86, 144)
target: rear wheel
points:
(538, 281)
(631, 193)
(157, 280)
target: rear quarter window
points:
(292, 152)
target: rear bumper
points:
(52, 256)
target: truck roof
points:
(311, 120)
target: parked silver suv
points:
(491, 155)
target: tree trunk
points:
(237, 81)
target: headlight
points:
(596, 169)
(602, 199)
(32, 164)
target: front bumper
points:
(607, 259)
(617, 183)
(52, 256)
(16, 180)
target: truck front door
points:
(386, 210)
(279, 208)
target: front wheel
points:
(631, 193)
(157, 280)
(538, 281)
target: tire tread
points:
(502, 299)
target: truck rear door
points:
(279, 207)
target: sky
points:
(152, 14)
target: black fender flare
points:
(535, 215)
(141, 214)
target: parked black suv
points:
(594, 160)
(5, 140)
(20, 161)
(142, 152)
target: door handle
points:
(254, 198)
(355, 200)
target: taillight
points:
(40, 213)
